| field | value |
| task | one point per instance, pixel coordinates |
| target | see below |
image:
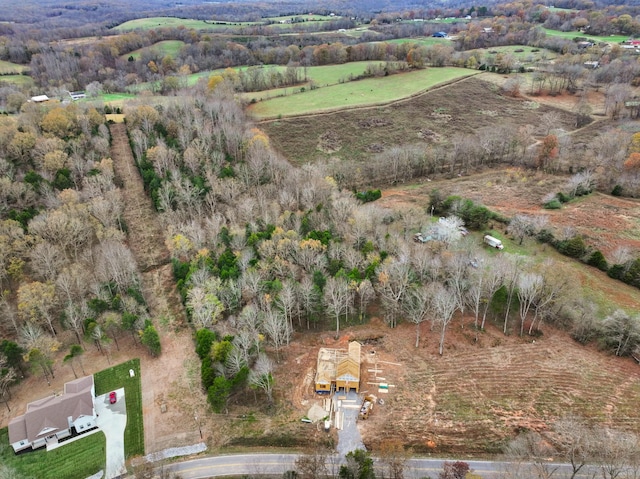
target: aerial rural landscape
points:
(369, 239)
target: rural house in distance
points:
(338, 369)
(51, 419)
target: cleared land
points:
(462, 107)
(371, 91)
(606, 222)
(165, 47)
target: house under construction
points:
(338, 369)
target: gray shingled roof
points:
(50, 415)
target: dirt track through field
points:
(146, 241)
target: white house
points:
(50, 419)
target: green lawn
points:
(117, 377)
(596, 38)
(173, 22)
(165, 47)
(357, 93)
(76, 460)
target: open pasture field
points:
(322, 76)
(595, 38)
(307, 17)
(173, 22)
(163, 48)
(370, 91)
(527, 55)
(421, 41)
(436, 116)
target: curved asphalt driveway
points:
(112, 420)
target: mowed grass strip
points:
(118, 377)
(372, 91)
(596, 38)
(75, 460)
(165, 47)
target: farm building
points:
(338, 369)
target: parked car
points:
(112, 397)
(439, 35)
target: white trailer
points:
(493, 242)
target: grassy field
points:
(596, 38)
(527, 55)
(165, 47)
(9, 68)
(117, 377)
(421, 41)
(371, 91)
(76, 460)
(173, 22)
(20, 80)
(305, 17)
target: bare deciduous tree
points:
(276, 327)
(416, 306)
(312, 466)
(529, 287)
(394, 277)
(444, 305)
(337, 298)
(261, 376)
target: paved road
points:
(255, 464)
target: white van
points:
(493, 242)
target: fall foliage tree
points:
(547, 152)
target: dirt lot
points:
(477, 395)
